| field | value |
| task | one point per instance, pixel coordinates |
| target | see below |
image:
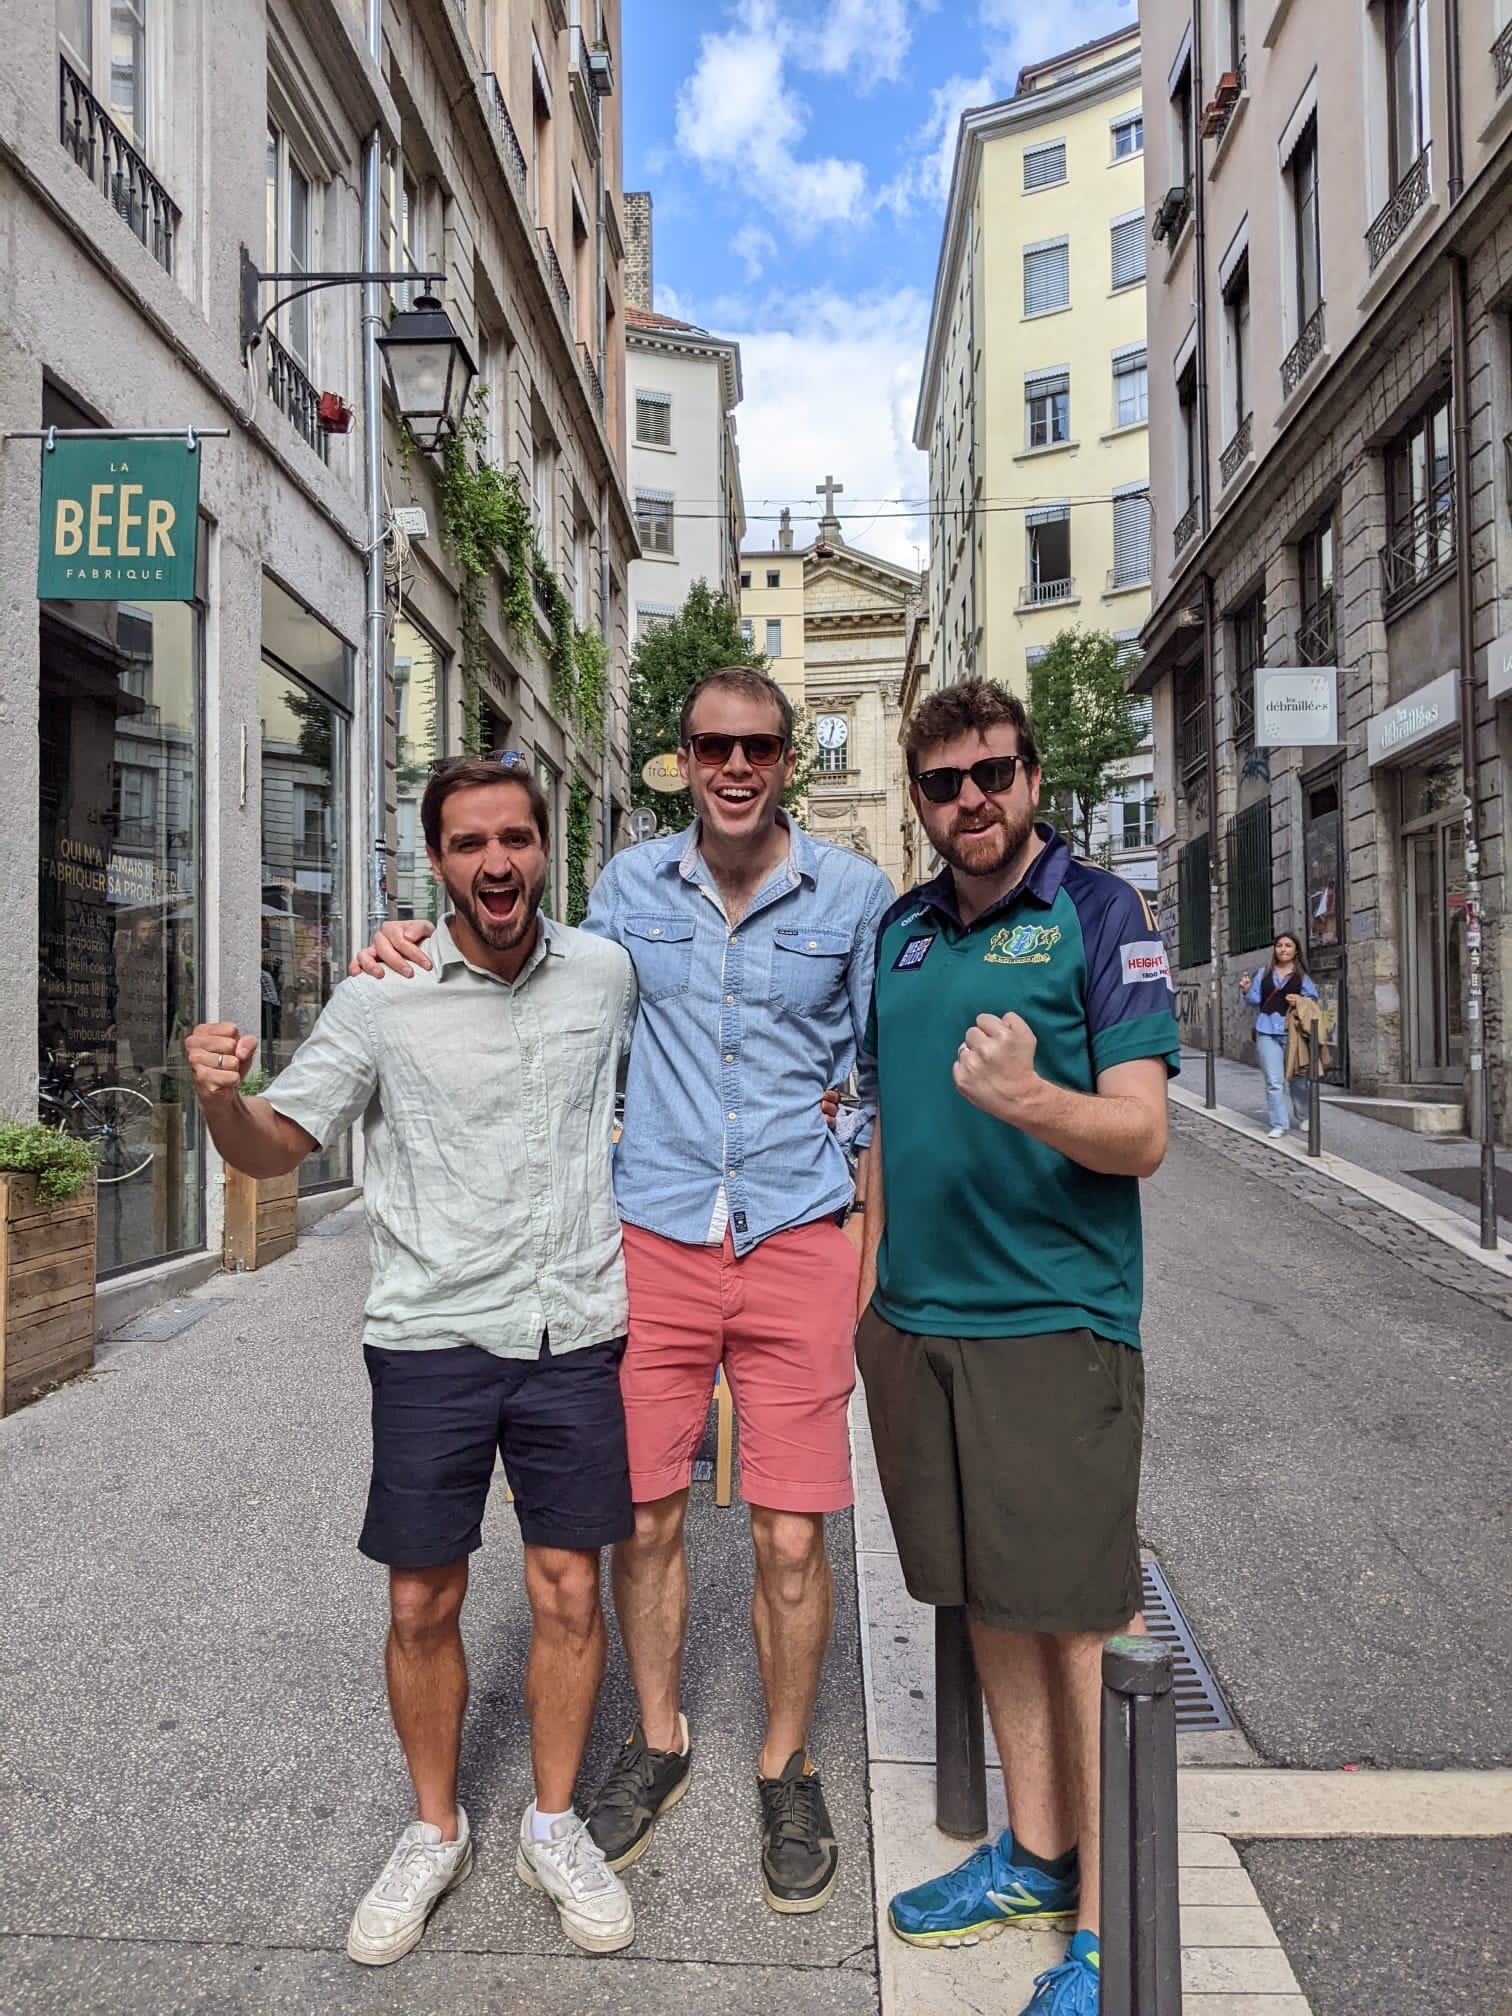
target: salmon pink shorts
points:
(782, 1322)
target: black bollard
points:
(960, 1746)
(1141, 1918)
(1314, 1094)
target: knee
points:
(563, 1588)
(424, 1605)
(658, 1527)
(789, 1548)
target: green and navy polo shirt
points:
(989, 1233)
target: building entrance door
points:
(1323, 845)
(1435, 884)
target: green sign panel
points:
(119, 521)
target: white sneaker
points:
(1276, 1133)
(422, 1868)
(592, 1903)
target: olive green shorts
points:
(1010, 1466)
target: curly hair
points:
(970, 706)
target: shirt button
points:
(813, 945)
(732, 1116)
(729, 999)
(656, 931)
(733, 939)
(729, 1056)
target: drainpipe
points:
(376, 653)
(1482, 1060)
(1209, 669)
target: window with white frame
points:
(1049, 528)
(404, 228)
(289, 223)
(748, 630)
(1131, 386)
(1238, 40)
(773, 645)
(654, 520)
(1236, 316)
(1035, 655)
(582, 574)
(107, 46)
(653, 419)
(1047, 276)
(1128, 238)
(1406, 26)
(1131, 535)
(1047, 408)
(1128, 136)
(1044, 166)
(774, 577)
(1306, 275)
(1181, 125)
(543, 465)
(1134, 815)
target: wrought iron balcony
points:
(504, 126)
(115, 167)
(1303, 354)
(1420, 546)
(1408, 197)
(1501, 56)
(1315, 633)
(295, 397)
(1034, 593)
(593, 377)
(1238, 451)
(554, 274)
(1186, 526)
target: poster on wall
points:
(119, 521)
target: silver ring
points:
(220, 1060)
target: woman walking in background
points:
(1269, 992)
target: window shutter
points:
(1131, 536)
(1127, 361)
(1046, 384)
(1048, 514)
(1128, 252)
(1047, 277)
(653, 419)
(1044, 165)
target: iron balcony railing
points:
(115, 167)
(1316, 634)
(1408, 197)
(1501, 56)
(295, 397)
(554, 274)
(1303, 354)
(1234, 456)
(1035, 592)
(1420, 546)
(504, 126)
(1186, 526)
(594, 378)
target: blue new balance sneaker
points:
(1073, 1988)
(974, 1902)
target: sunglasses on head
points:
(761, 750)
(989, 774)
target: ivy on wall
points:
(487, 525)
(579, 849)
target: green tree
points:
(1085, 724)
(666, 664)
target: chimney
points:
(638, 248)
(785, 531)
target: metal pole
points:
(960, 1744)
(375, 685)
(1140, 1969)
(1314, 1093)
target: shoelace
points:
(629, 1783)
(1052, 1978)
(792, 1807)
(408, 1868)
(582, 1861)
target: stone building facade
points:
(1303, 474)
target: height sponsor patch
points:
(1143, 962)
(914, 953)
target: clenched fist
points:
(994, 1066)
(219, 1057)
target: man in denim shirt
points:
(753, 946)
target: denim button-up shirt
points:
(741, 1029)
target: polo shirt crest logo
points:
(914, 953)
(1022, 945)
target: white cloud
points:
(1075, 21)
(753, 247)
(830, 387)
(927, 172)
(868, 37)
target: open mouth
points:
(498, 905)
(736, 795)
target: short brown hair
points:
(972, 705)
(739, 679)
(467, 773)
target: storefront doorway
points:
(1433, 886)
(1323, 854)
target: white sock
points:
(541, 1823)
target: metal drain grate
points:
(1199, 1705)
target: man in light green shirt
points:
(496, 1318)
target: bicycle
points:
(113, 1119)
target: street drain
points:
(1199, 1705)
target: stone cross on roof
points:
(829, 490)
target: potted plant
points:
(47, 1259)
(261, 1220)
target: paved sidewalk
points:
(197, 1774)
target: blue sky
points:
(799, 159)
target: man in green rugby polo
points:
(1024, 1032)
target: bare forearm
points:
(1111, 1135)
(873, 1219)
(254, 1138)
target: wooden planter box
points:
(261, 1220)
(47, 1289)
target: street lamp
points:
(429, 371)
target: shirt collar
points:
(1042, 879)
(685, 854)
(550, 944)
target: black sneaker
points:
(642, 1786)
(800, 1860)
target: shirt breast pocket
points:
(661, 949)
(808, 967)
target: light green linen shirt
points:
(488, 1115)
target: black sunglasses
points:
(761, 750)
(989, 774)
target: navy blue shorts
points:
(439, 1417)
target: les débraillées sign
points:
(120, 520)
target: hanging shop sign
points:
(661, 773)
(1499, 667)
(119, 520)
(1296, 706)
(1417, 719)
